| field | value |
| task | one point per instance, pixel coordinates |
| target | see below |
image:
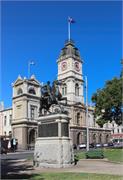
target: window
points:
(31, 90)
(5, 120)
(10, 119)
(77, 90)
(64, 89)
(19, 91)
(117, 130)
(33, 112)
(78, 118)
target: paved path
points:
(18, 168)
(89, 166)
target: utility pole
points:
(87, 124)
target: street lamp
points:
(87, 128)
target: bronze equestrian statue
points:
(51, 95)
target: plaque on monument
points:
(48, 130)
(64, 129)
(53, 146)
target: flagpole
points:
(28, 69)
(68, 29)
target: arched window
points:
(78, 138)
(107, 138)
(78, 118)
(19, 91)
(77, 90)
(32, 136)
(64, 89)
(100, 138)
(94, 138)
(31, 90)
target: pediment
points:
(33, 80)
(17, 82)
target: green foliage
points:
(94, 154)
(108, 102)
(81, 155)
(76, 157)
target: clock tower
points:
(70, 73)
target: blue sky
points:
(37, 31)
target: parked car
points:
(98, 145)
(105, 145)
(82, 146)
(118, 145)
(110, 144)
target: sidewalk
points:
(88, 166)
(21, 151)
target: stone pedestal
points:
(53, 146)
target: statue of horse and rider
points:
(51, 95)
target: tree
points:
(108, 102)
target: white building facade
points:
(5, 122)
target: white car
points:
(105, 145)
(98, 145)
(81, 146)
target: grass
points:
(114, 155)
(75, 176)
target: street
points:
(17, 155)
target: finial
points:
(19, 76)
(32, 77)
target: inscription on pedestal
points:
(64, 129)
(48, 130)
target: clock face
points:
(64, 66)
(77, 66)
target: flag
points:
(71, 20)
(32, 63)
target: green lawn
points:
(115, 155)
(74, 176)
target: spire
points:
(69, 50)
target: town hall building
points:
(26, 103)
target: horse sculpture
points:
(51, 95)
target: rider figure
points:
(49, 89)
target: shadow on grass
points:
(11, 169)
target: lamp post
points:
(87, 128)
(122, 88)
